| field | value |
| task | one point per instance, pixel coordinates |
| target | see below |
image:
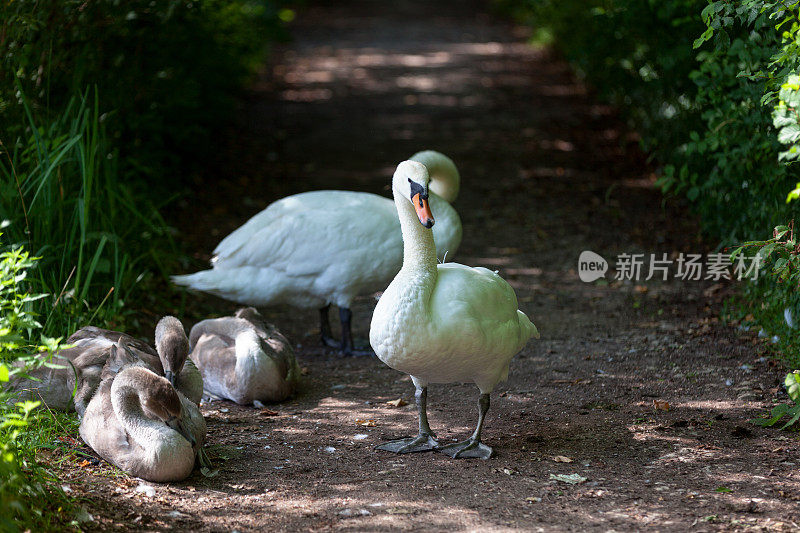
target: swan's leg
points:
(426, 440)
(348, 347)
(472, 447)
(325, 328)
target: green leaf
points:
(792, 383)
(794, 413)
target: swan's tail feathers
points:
(205, 280)
(527, 325)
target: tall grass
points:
(63, 198)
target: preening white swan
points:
(244, 359)
(443, 323)
(81, 367)
(318, 248)
(140, 423)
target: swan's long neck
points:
(419, 250)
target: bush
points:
(700, 113)
(29, 493)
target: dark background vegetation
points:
(106, 108)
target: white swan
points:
(318, 248)
(81, 367)
(244, 359)
(140, 423)
(443, 323)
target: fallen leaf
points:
(562, 459)
(397, 403)
(69, 440)
(365, 422)
(661, 405)
(207, 472)
(305, 371)
(84, 463)
(533, 499)
(572, 479)
(268, 412)
(640, 289)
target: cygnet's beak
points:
(420, 201)
(178, 425)
(170, 375)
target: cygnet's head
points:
(160, 401)
(411, 181)
(250, 314)
(172, 346)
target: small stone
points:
(347, 513)
(145, 489)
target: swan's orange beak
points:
(423, 210)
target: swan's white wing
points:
(310, 248)
(472, 294)
(302, 234)
(475, 326)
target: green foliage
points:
(772, 302)
(781, 252)
(744, 186)
(785, 119)
(787, 411)
(29, 493)
(61, 195)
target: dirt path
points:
(546, 174)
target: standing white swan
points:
(244, 359)
(314, 249)
(140, 423)
(443, 323)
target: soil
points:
(634, 386)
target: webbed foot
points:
(468, 449)
(330, 342)
(420, 443)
